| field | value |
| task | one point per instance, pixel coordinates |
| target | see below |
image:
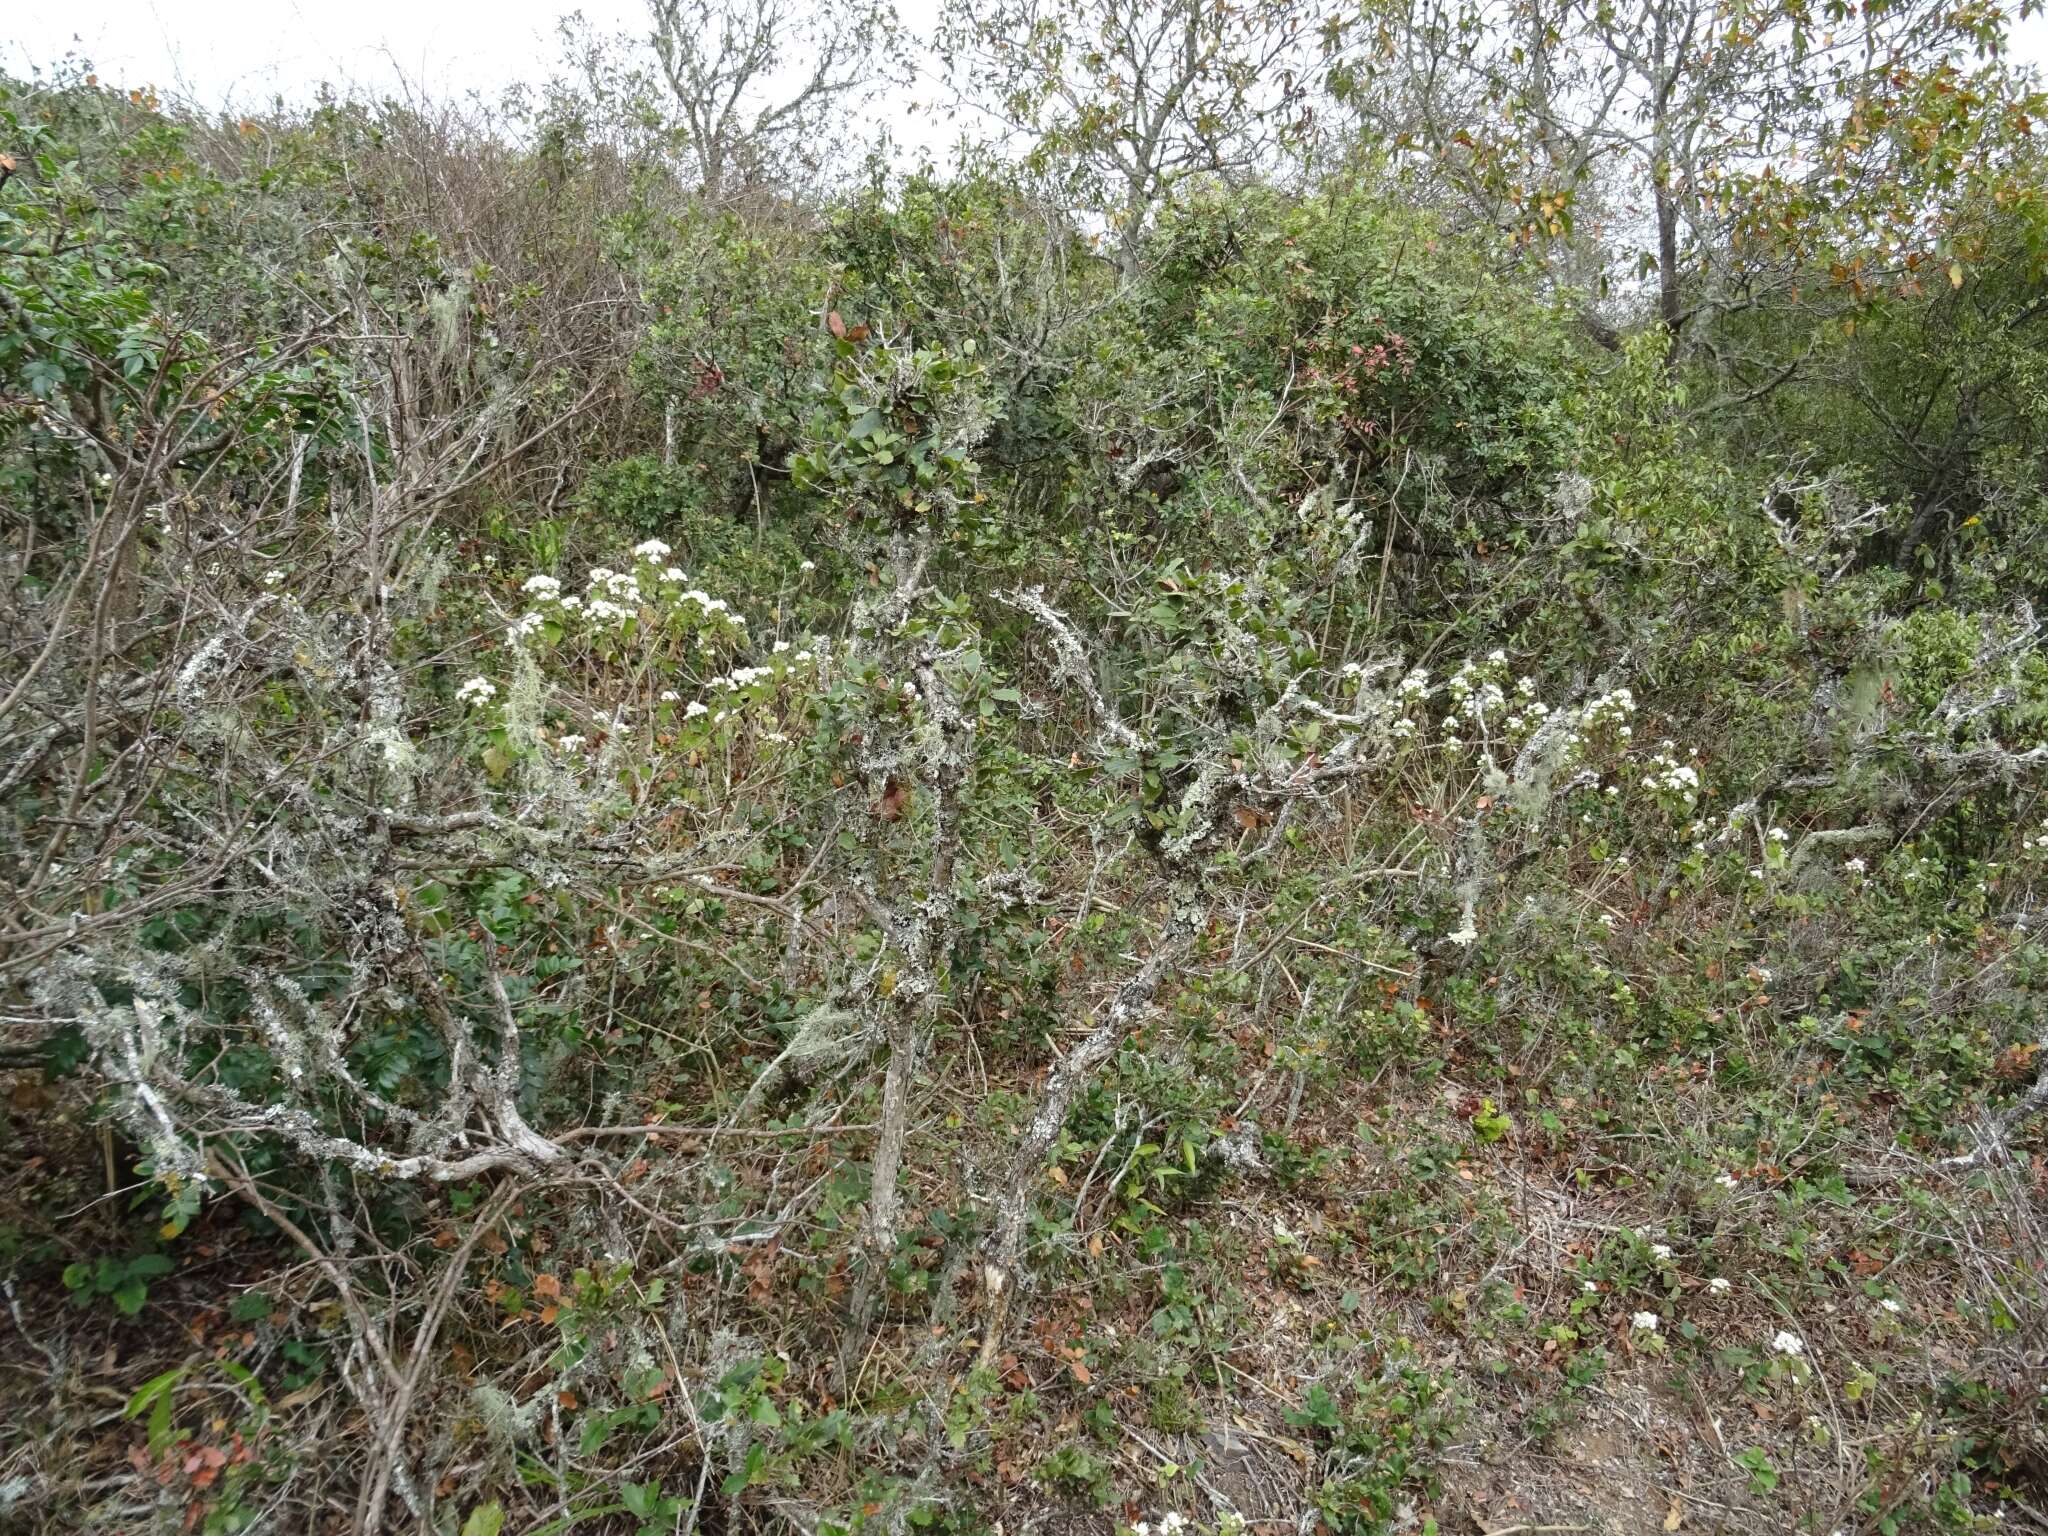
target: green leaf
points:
(640, 1498)
(738, 1482)
(151, 1390)
(485, 1520)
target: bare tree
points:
(757, 85)
(1136, 94)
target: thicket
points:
(1131, 834)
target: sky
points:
(239, 53)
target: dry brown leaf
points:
(895, 799)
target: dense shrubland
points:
(1205, 831)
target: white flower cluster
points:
(1170, 1524)
(1611, 711)
(1669, 776)
(1475, 695)
(741, 677)
(1482, 700)
(478, 690)
(1411, 689)
(1788, 1344)
(1478, 698)
(1614, 708)
(783, 664)
(1530, 714)
(615, 597)
(623, 585)
(713, 607)
(2039, 841)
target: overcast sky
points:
(245, 50)
(241, 52)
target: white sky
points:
(241, 52)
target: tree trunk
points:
(1127, 250)
(1667, 271)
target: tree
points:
(1136, 94)
(756, 85)
(1744, 141)
(1936, 395)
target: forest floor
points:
(1440, 1318)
